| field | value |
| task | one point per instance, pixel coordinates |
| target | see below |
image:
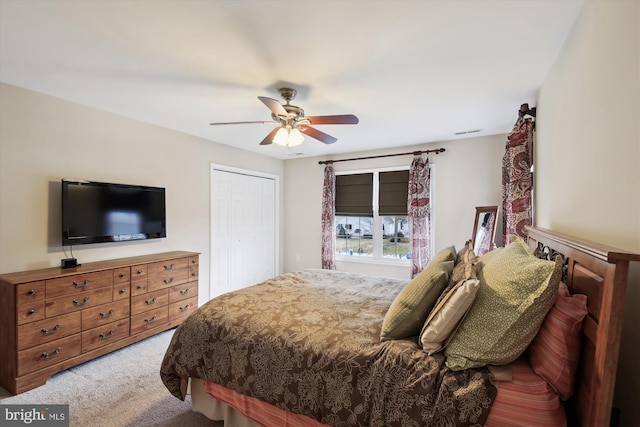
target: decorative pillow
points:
(487, 257)
(555, 352)
(465, 253)
(446, 254)
(410, 309)
(516, 292)
(447, 315)
(466, 266)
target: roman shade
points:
(354, 195)
(394, 188)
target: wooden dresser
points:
(52, 319)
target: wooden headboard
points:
(600, 273)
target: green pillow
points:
(516, 292)
(410, 309)
(446, 254)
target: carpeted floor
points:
(117, 390)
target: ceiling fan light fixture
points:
(288, 137)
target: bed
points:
(309, 348)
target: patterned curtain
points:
(328, 219)
(419, 214)
(517, 180)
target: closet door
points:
(243, 229)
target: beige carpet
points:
(116, 390)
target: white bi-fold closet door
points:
(243, 228)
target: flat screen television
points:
(98, 212)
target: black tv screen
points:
(98, 212)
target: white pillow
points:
(447, 315)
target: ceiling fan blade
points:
(269, 138)
(320, 136)
(242, 123)
(276, 108)
(344, 119)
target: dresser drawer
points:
(79, 301)
(106, 313)
(139, 272)
(149, 301)
(193, 268)
(164, 274)
(44, 355)
(105, 334)
(121, 292)
(30, 312)
(46, 330)
(154, 318)
(182, 308)
(122, 275)
(184, 291)
(30, 292)
(71, 285)
(139, 287)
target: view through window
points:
(371, 217)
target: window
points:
(371, 215)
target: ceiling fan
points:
(293, 123)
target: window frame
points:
(378, 257)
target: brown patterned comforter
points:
(309, 343)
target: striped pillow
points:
(555, 351)
(526, 400)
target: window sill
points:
(376, 261)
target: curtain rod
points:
(415, 153)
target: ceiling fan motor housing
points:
(287, 93)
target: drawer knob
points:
(80, 303)
(139, 272)
(185, 308)
(122, 291)
(31, 292)
(153, 319)
(31, 312)
(46, 355)
(168, 267)
(45, 331)
(122, 275)
(184, 291)
(168, 281)
(150, 302)
(107, 315)
(194, 274)
(81, 285)
(104, 336)
(139, 287)
(193, 261)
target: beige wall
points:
(588, 155)
(457, 174)
(44, 139)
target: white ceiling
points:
(412, 71)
